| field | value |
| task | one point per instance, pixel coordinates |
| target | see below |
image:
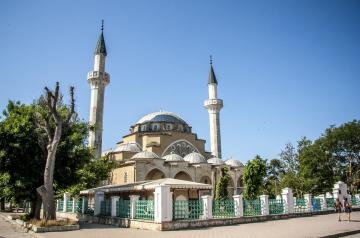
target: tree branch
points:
(72, 105)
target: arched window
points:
(143, 127)
(155, 127)
(125, 177)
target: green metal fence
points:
(190, 209)
(60, 206)
(144, 209)
(330, 202)
(69, 205)
(300, 205)
(355, 202)
(89, 207)
(252, 207)
(123, 208)
(79, 205)
(276, 206)
(316, 204)
(105, 207)
(223, 208)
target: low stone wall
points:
(37, 229)
(191, 224)
(114, 221)
(67, 215)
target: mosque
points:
(161, 144)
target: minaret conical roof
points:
(100, 46)
(212, 77)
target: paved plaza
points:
(315, 226)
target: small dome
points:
(161, 117)
(173, 158)
(234, 163)
(145, 155)
(215, 161)
(195, 158)
(128, 147)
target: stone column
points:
(98, 198)
(133, 200)
(238, 205)
(264, 199)
(323, 202)
(114, 199)
(163, 203)
(66, 199)
(340, 191)
(308, 202)
(288, 200)
(57, 204)
(207, 207)
(74, 205)
(84, 205)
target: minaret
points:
(98, 79)
(214, 105)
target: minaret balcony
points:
(97, 77)
(213, 104)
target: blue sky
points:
(286, 69)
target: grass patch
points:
(43, 223)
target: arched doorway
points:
(231, 188)
(205, 179)
(240, 186)
(183, 176)
(155, 174)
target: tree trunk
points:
(47, 190)
(36, 207)
(2, 204)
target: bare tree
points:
(52, 121)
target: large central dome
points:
(161, 117)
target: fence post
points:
(207, 203)
(288, 199)
(340, 191)
(238, 205)
(114, 200)
(357, 196)
(323, 203)
(133, 200)
(57, 204)
(308, 201)
(74, 205)
(98, 198)
(66, 199)
(162, 203)
(84, 204)
(264, 199)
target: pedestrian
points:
(347, 207)
(338, 208)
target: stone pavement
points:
(315, 226)
(9, 231)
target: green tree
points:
(254, 174)
(23, 155)
(290, 159)
(221, 192)
(316, 169)
(274, 171)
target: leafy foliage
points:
(254, 174)
(23, 156)
(221, 192)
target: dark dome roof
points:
(161, 117)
